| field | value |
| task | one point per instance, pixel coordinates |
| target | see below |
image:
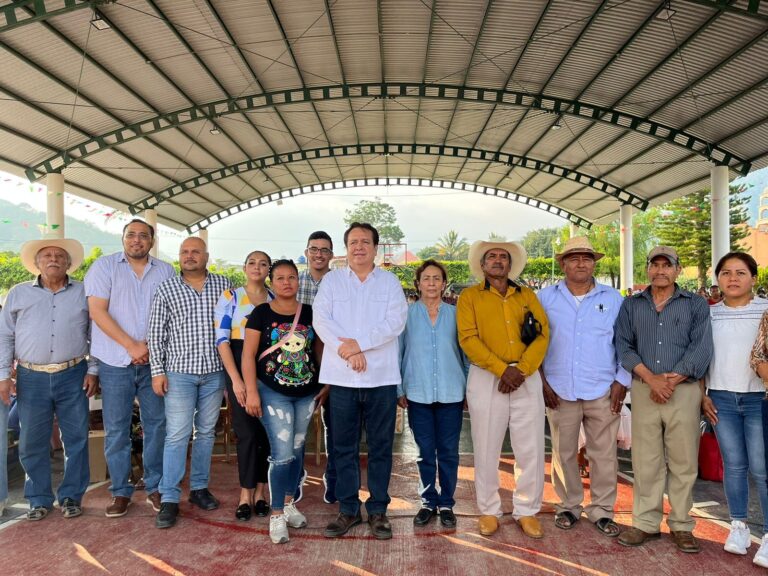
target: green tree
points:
(538, 243)
(493, 237)
(451, 246)
(428, 252)
(11, 271)
(378, 214)
(685, 224)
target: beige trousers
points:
(492, 413)
(601, 427)
(665, 450)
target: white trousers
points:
(491, 413)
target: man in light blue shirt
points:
(584, 384)
(120, 288)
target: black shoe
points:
(261, 509)
(380, 526)
(243, 512)
(447, 518)
(424, 516)
(203, 499)
(341, 525)
(166, 518)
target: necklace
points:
(660, 304)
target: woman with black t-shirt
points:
(281, 348)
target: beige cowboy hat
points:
(578, 245)
(30, 249)
(515, 250)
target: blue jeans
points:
(739, 432)
(39, 397)
(436, 429)
(3, 452)
(285, 419)
(375, 409)
(191, 399)
(119, 387)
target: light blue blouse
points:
(433, 367)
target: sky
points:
(424, 214)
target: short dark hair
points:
(140, 221)
(282, 262)
(364, 226)
(748, 261)
(269, 260)
(426, 264)
(320, 235)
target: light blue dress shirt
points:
(130, 298)
(581, 361)
(433, 367)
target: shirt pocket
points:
(378, 306)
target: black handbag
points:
(530, 329)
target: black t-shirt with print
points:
(290, 369)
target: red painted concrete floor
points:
(214, 543)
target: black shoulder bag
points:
(530, 329)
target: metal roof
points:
(204, 108)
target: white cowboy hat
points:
(516, 252)
(578, 245)
(30, 249)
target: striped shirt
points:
(678, 339)
(734, 331)
(308, 288)
(112, 278)
(44, 327)
(181, 335)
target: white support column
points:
(203, 234)
(54, 213)
(150, 215)
(721, 230)
(626, 248)
(574, 230)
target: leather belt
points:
(51, 368)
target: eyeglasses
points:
(143, 236)
(315, 250)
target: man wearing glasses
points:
(120, 288)
(319, 253)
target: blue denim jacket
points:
(433, 367)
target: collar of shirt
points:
(372, 274)
(150, 259)
(38, 283)
(596, 289)
(510, 284)
(678, 293)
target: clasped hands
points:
(349, 350)
(663, 385)
(511, 380)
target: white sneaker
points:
(293, 517)
(761, 558)
(739, 539)
(278, 530)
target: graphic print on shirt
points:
(290, 365)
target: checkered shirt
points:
(181, 336)
(307, 288)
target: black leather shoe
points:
(341, 525)
(380, 526)
(261, 509)
(243, 512)
(203, 499)
(423, 517)
(166, 518)
(447, 518)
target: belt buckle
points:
(51, 368)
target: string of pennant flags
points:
(94, 209)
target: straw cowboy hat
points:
(515, 250)
(578, 245)
(30, 249)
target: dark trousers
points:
(252, 439)
(436, 429)
(374, 409)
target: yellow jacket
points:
(489, 328)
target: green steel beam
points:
(752, 9)
(13, 15)
(265, 162)
(213, 110)
(425, 182)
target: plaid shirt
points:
(307, 288)
(181, 335)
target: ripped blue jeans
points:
(286, 419)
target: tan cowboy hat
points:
(578, 245)
(515, 250)
(30, 249)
